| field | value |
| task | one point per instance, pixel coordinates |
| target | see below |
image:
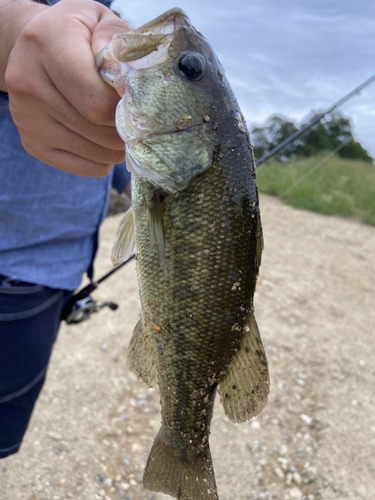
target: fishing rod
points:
(81, 305)
(314, 121)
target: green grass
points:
(339, 187)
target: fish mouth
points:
(168, 22)
(142, 48)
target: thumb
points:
(108, 25)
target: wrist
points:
(14, 16)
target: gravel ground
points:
(94, 423)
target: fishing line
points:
(313, 169)
(314, 121)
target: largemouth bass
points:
(196, 227)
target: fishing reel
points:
(81, 305)
(83, 308)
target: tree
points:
(326, 135)
(266, 138)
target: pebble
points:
(63, 446)
(108, 482)
(363, 492)
(300, 452)
(309, 474)
(136, 447)
(307, 420)
(284, 463)
(295, 493)
(55, 436)
(257, 445)
(279, 473)
(289, 479)
(263, 496)
(297, 477)
(255, 425)
(283, 449)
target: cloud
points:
(287, 57)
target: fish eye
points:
(192, 66)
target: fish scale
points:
(193, 298)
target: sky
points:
(286, 57)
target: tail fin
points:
(182, 477)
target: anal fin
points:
(244, 389)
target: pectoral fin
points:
(140, 356)
(124, 245)
(156, 227)
(244, 389)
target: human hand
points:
(62, 108)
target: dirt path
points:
(94, 424)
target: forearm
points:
(14, 16)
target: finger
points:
(59, 138)
(108, 26)
(73, 164)
(52, 106)
(79, 82)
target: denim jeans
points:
(29, 322)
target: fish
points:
(196, 231)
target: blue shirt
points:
(49, 219)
